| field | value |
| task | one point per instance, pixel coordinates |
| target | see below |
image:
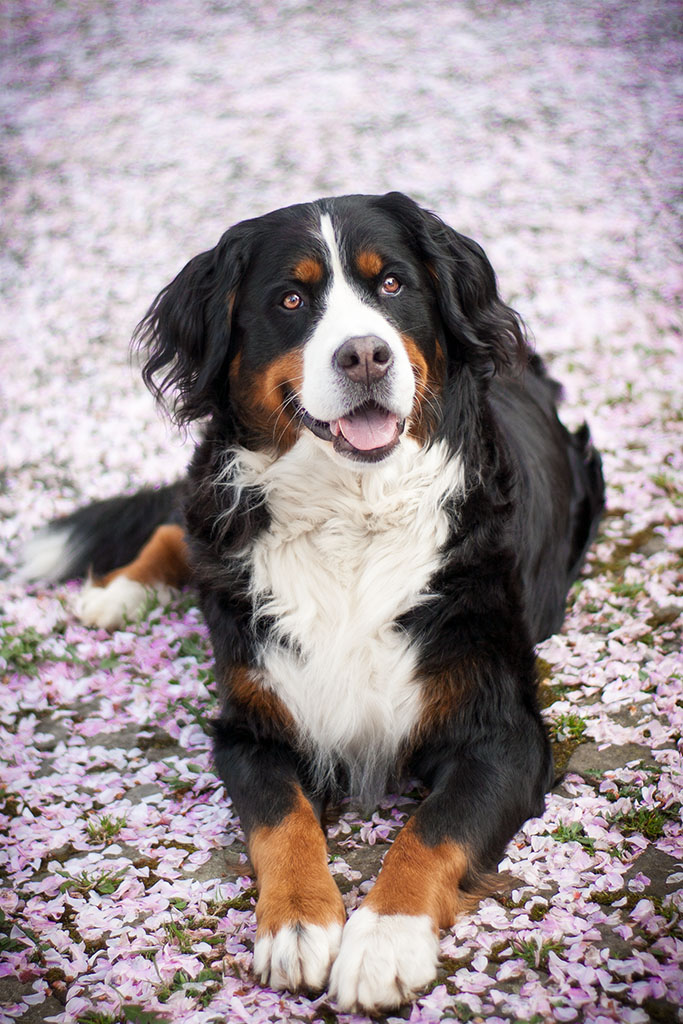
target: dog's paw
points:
(297, 957)
(384, 960)
(120, 601)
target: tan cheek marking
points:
(246, 688)
(260, 397)
(428, 387)
(420, 879)
(294, 881)
(163, 559)
(309, 271)
(369, 263)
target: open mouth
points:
(367, 433)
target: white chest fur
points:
(347, 552)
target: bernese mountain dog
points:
(383, 516)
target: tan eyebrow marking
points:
(308, 270)
(369, 263)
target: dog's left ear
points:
(186, 334)
(479, 328)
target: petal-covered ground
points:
(134, 134)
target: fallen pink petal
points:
(135, 135)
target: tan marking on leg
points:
(262, 398)
(420, 879)
(441, 695)
(163, 559)
(428, 387)
(294, 881)
(309, 270)
(247, 689)
(369, 263)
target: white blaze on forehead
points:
(347, 315)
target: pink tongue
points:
(366, 429)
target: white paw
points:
(384, 960)
(111, 606)
(297, 956)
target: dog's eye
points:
(292, 301)
(391, 285)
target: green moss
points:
(548, 692)
(606, 899)
(535, 955)
(139, 1015)
(105, 883)
(448, 965)
(201, 712)
(104, 827)
(544, 669)
(244, 901)
(179, 979)
(630, 590)
(178, 934)
(10, 805)
(192, 646)
(667, 483)
(562, 752)
(54, 974)
(8, 945)
(569, 726)
(547, 695)
(574, 833)
(648, 822)
(21, 650)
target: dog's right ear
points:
(186, 333)
(479, 328)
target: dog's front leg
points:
(300, 913)
(481, 794)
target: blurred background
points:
(135, 134)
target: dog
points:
(383, 517)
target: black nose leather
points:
(363, 360)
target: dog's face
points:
(342, 318)
(334, 332)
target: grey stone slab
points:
(589, 758)
(656, 866)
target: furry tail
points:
(100, 537)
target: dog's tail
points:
(100, 537)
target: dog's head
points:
(345, 317)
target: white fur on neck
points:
(346, 553)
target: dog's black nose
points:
(363, 360)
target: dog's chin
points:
(366, 435)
